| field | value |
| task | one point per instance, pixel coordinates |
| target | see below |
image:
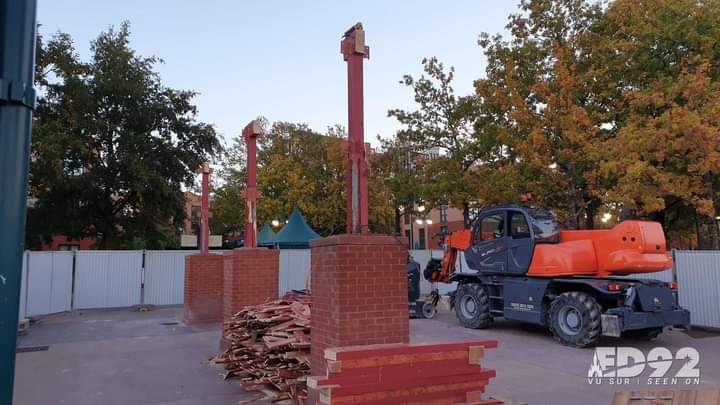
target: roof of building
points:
(265, 235)
(296, 234)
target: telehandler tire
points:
(472, 306)
(574, 319)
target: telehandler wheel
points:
(575, 319)
(644, 334)
(472, 306)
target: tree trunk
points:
(708, 235)
(398, 231)
(466, 215)
(590, 211)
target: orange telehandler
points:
(519, 265)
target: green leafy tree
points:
(443, 122)
(112, 146)
(228, 206)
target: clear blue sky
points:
(281, 59)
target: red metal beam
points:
(205, 209)
(354, 51)
(250, 133)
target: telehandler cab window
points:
(519, 228)
(491, 227)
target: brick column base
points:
(251, 277)
(359, 293)
(203, 295)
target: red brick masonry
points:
(252, 276)
(203, 288)
(359, 293)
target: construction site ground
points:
(129, 357)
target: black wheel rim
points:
(468, 307)
(570, 320)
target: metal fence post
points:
(17, 101)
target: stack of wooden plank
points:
(446, 373)
(270, 348)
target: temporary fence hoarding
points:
(107, 278)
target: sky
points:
(281, 59)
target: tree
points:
(112, 146)
(663, 56)
(395, 168)
(541, 104)
(443, 122)
(228, 205)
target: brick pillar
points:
(203, 288)
(359, 293)
(252, 276)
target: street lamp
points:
(421, 208)
(419, 221)
(275, 223)
(429, 221)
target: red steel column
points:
(354, 51)
(250, 133)
(205, 209)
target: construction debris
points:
(445, 373)
(270, 348)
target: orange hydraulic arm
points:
(456, 241)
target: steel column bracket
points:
(17, 92)
(354, 42)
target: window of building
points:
(519, 228)
(443, 229)
(421, 237)
(443, 214)
(491, 227)
(407, 235)
(68, 247)
(195, 213)
(406, 217)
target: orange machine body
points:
(629, 247)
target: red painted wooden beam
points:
(205, 209)
(354, 51)
(251, 194)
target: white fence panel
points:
(49, 282)
(294, 269)
(698, 274)
(165, 276)
(666, 276)
(23, 286)
(107, 279)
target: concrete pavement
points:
(149, 358)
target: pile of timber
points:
(269, 348)
(446, 373)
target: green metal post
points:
(17, 101)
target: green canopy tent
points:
(265, 235)
(296, 234)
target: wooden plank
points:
(418, 394)
(476, 353)
(360, 352)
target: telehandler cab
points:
(521, 266)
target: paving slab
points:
(127, 357)
(533, 368)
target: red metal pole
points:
(250, 133)
(205, 209)
(354, 51)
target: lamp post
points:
(17, 101)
